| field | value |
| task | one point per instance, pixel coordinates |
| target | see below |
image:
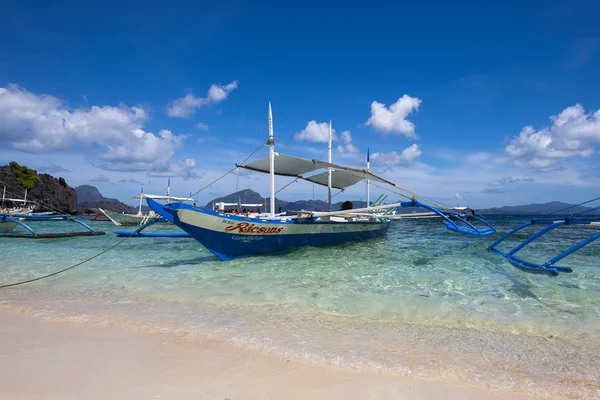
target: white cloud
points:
(393, 119)
(505, 180)
(458, 196)
(43, 124)
(131, 181)
(573, 133)
(53, 168)
(185, 106)
(315, 132)
(346, 145)
(479, 157)
(407, 157)
(202, 126)
(99, 178)
(183, 169)
(318, 132)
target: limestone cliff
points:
(50, 193)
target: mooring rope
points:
(68, 268)
(295, 180)
(227, 173)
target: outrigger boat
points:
(8, 224)
(231, 236)
(152, 218)
(552, 222)
(18, 206)
(40, 216)
(141, 219)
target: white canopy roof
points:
(284, 165)
(339, 179)
(342, 177)
(356, 172)
(158, 197)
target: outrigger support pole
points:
(449, 216)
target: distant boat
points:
(139, 219)
(127, 219)
(100, 217)
(40, 216)
(17, 206)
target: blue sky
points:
(468, 103)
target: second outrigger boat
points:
(139, 218)
(231, 236)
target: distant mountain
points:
(248, 196)
(537, 209)
(251, 197)
(90, 199)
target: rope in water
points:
(108, 249)
(68, 268)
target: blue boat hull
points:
(230, 237)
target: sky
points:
(476, 104)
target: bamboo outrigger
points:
(549, 267)
(8, 224)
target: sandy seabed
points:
(41, 359)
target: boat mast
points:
(368, 184)
(141, 198)
(169, 189)
(25, 199)
(329, 169)
(3, 195)
(271, 145)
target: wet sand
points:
(42, 359)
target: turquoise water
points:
(422, 301)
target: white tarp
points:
(339, 179)
(284, 165)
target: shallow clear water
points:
(421, 301)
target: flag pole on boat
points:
(271, 144)
(368, 183)
(329, 169)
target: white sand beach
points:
(42, 359)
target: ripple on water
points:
(422, 301)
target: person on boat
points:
(347, 205)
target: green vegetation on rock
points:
(27, 177)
